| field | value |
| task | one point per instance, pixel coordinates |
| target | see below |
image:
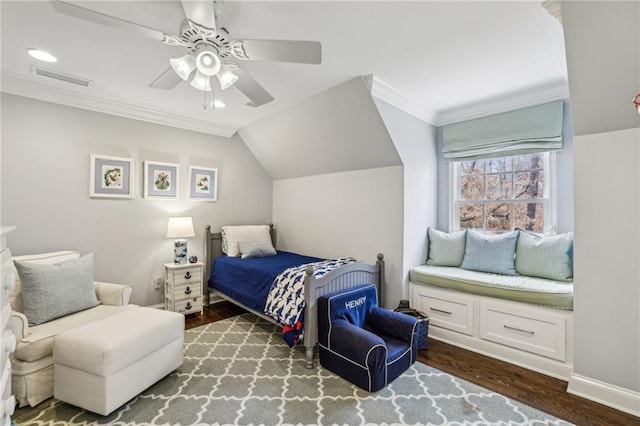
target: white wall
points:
(607, 258)
(45, 188)
(356, 214)
(415, 141)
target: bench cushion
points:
(538, 291)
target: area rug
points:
(239, 372)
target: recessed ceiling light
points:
(41, 55)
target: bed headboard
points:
(213, 248)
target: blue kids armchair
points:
(361, 342)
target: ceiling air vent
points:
(59, 76)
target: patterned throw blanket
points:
(285, 302)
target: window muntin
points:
(500, 194)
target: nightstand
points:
(183, 287)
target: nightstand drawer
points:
(183, 276)
(186, 306)
(529, 331)
(184, 291)
(445, 309)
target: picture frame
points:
(203, 184)
(161, 180)
(110, 177)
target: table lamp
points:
(180, 228)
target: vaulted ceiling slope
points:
(337, 130)
(437, 60)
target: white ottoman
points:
(102, 365)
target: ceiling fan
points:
(210, 51)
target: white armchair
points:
(32, 360)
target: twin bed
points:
(246, 281)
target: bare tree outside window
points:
(500, 194)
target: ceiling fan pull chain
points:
(209, 98)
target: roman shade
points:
(523, 131)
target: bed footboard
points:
(342, 278)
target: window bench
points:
(518, 319)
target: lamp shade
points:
(226, 77)
(183, 66)
(180, 227)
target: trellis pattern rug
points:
(239, 372)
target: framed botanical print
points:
(203, 184)
(160, 180)
(111, 177)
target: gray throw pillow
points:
(51, 291)
(490, 253)
(446, 249)
(256, 249)
(545, 257)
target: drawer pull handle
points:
(187, 275)
(188, 306)
(187, 291)
(519, 329)
(441, 311)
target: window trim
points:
(550, 202)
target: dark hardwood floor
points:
(536, 390)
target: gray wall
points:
(45, 189)
(602, 41)
(415, 141)
(335, 131)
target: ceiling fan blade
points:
(201, 16)
(304, 52)
(166, 81)
(249, 87)
(113, 22)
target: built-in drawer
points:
(184, 276)
(542, 333)
(445, 309)
(186, 306)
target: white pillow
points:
(235, 234)
(256, 249)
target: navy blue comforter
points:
(248, 280)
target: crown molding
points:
(554, 91)
(29, 89)
(393, 96)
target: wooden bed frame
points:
(341, 278)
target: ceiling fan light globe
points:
(201, 82)
(183, 66)
(226, 77)
(208, 63)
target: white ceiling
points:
(441, 61)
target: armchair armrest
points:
(353, 342)
(19, 325)
(393, 324)
(113, 294)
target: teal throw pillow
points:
(548, 257)
(446, 249)
(490, 253)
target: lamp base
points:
(179, 252)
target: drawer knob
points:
(188, 306)
(187, 291)
(187, 275)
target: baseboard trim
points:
(607, 394)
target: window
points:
(500, 194)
